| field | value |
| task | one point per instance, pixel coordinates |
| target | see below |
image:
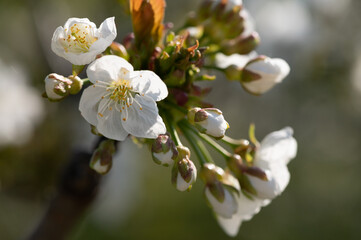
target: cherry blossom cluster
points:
(146, 87)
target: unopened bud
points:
(210, 173)
(237, 166)
(184, 172)
(256, 172)
(278, 179)
(102, 158)
(57, 86)
(209, 121)
(76, 85)
(228, 5)
(164, 151)
(119, 50)
(220, 190)
(222, 200)
(195, 32)
(241, 44)
(263, 73)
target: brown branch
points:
(76, 191)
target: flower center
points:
(79, 38)
(120, 95)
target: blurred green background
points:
(320, 99)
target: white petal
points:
(238, 60)
(149, 84)
(89, 102)
(72, 21)
(107, 68)
(215, 124)
(50, 82)
(247, 208)
(106, 34)
(284, 68)
(181, 184)
(145, 123)
(259, 86)
(278, 146)
(227, 208)
(108, 28)
(164, 158)
(110, 123)
(278, 178)
(271, 70)
(56, 47)
(80, 58)
(230, 225)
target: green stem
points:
(173, 131)
(85, 80)
(208, 140)
(233, 142)
(197, 145)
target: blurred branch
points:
(76, 191)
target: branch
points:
(76, 191)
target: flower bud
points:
(119, 50)
(243, 172)
(184, 172)
(241, 44)
(57, 86)
(261, 74)
(221, 190)
(225, 208)
(209, 121)
(101, 160)
(237, 166)
(278, 178)
(76, 85)
(228, 4)
(164, 151)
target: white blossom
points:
(229, 206)
(246, 209)
(226, 208)
(275, 152)
(262, 73)
(278, 147)
(123, 101)
(80, 41)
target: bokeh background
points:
(320, 99)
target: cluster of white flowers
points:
(120, 101)
(273, 155)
